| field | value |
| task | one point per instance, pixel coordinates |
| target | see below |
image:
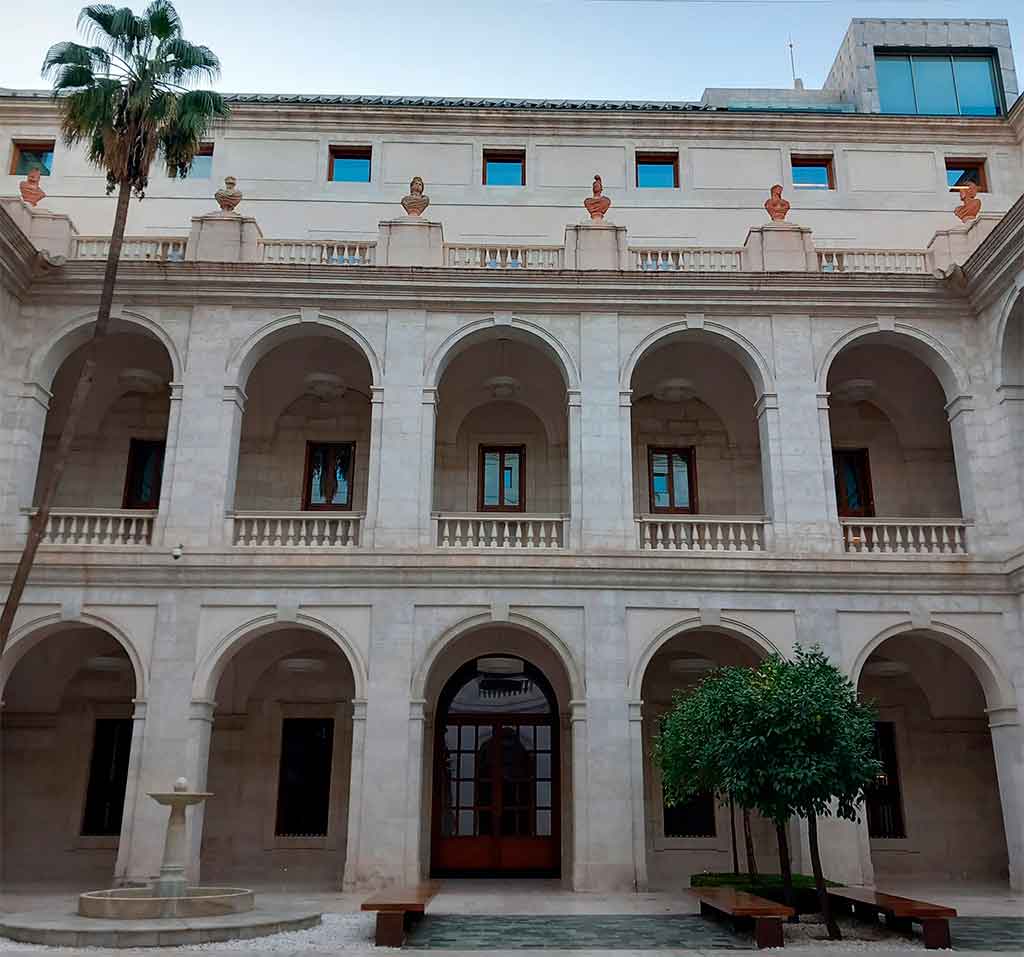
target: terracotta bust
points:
(970, 205)
(229, 195)
(597, 205)
(416, 201)
(777, 206)
(31, 191)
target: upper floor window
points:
(960, 172)
(853, 483)
(504, 167)
(328, 480)
(349, 164)
(202, 163)
(502, 478)
(28, 156)
(947, 84)
(145, 471)
(657, 170)
(673, 480)
(813, 172)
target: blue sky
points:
(573, 49)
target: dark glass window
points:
(657, 170)
(108, 777)
(504, 168)
(304, 783)
(882, 800)
(30, 156)
(813, 172)
(694, 818)
(349, 164)
(328, 481)
(960, 172)
(673, 480)
(947, 84)
(502, 478)
(853, 483)
(145, 472)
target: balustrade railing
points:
(87, 526)
(157, 248)
(504, 257)
(318, 252)
(501, 531)
(904, 536)
(873, 260)
(686, 260)
(702, 533)
(296, 529)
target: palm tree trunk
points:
(834, 933)
(37, 525)
(785, 864)
(748, 839)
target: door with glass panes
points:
(496, 773)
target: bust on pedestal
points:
(779, 246)
(411, 240)
(596, 243)
(224, 236)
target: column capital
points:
(766, 402)
(417, 709)
(1006, 716)
(235, 394)
(636, 709)
(823, 401)
(958, 405)
(139, 706)
(625, 398)
(175, 390)
(36, 392)
(201, 709)
(573, 398)
(430, 396)
(578, 710)
(358, 709)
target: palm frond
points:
(68, 54)
(163, 20)
(189, 62)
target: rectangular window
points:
(28, 156)
(695, 818)
(304, 782)
(502, 478)
(202, 163)
(328, 482)
(108, 777)
(349, 164)
(657, 170)
(930, 84)
(960, 172)
(883, 801)
(144, 474)
(813, 172)
(673, 480)
(504, 167)
(853, 483)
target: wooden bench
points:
(900, 912)
(396, 907)
(743, 909)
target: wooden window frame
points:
(513, 155)
(503, 450)
(804, 160)
(133, 445)
(308, 506)
(349, 152)
(691, 472)
(661, 157)
(961, 162)
(17, 146)
(869, 511)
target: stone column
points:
(960, 411)
(575, 454)
(416, 810)
(170, 451)
(373, 471)
(200, 730)
(355, 792)
(580, 817)
(132, 794)
(428, 445)
(1008, 749)
(25, 449)
(638, 792)
(626, 473)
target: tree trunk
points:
(834, 932)
(732, 829)
(37, 525)
(785, 865)
(748, 839)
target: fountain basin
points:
(138, 903)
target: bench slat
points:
(739, 903)
(897, 906)
(396, 899)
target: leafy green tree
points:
(127, 97)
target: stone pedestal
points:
(596, 245)
(410, 241)
(956, 244)
(779, 247)
(224, 237)
(52, 233)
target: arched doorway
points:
(496, 788)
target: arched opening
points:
(935, 813)
(303, 471)
(66, 756)
(696, 448)
(501, 457)
(695, 837)
(497, 790)
(117, 460)
(280, 762)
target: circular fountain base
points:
(138, 903)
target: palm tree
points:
(125, 98)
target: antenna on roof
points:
(798, 84)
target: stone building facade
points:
(397, 533)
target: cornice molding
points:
(19, 259)
(991, 269)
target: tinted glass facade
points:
(938, 84)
